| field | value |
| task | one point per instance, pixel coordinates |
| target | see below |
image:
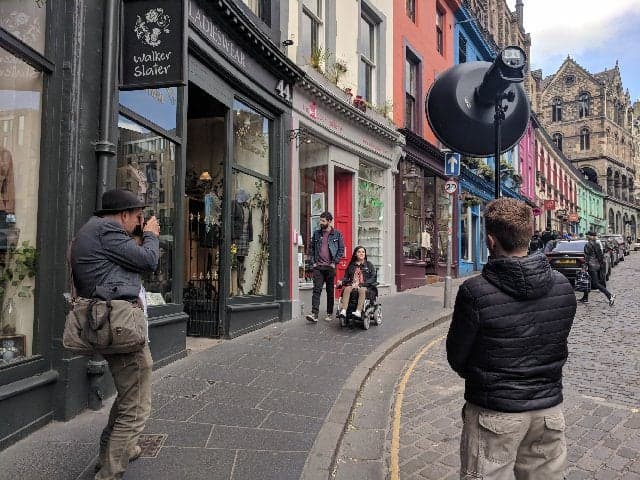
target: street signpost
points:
(452, 164)
(451, 187)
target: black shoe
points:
(312, 317)
(612, 299)
(584, 300)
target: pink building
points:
(527, 154)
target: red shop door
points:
(343, 216)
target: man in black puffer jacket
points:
(508, 340)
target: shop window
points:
(465, 252)
(158, 105)
(249, 235)
(150, 176)
(310, 28)
(20, 110)
(413, 246)
(250, 138)
(25, 20)
(443, 200)
(366, 46)
(313, 201)
(428, 240)
(371, 193)
(484, 251)
(250, 201)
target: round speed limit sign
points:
(450, 186)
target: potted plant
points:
(360, 103)
(318, 59)
(338, 70)
(385, 108)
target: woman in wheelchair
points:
(360, 275)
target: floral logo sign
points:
(155, 23)
(23, 26)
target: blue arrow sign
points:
(452, 164)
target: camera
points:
(137, 231)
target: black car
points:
(567, 257)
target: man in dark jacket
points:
(325, 251)
(535, 243)
(508, 340)
(107, 263)
(594, 258)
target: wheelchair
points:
(371, 313)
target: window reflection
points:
(146, 166)
(370, 214)
(251, 138)
(156, 105)
(25, 20)
(20, 129)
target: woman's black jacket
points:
(369, 274)
(508, 334)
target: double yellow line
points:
(397, 409)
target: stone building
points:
(591, 120)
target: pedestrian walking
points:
(359, 276)
(326, 250)
(107, 262)
(508, 340)
(594, 259)
(535, 244)
(546, 236)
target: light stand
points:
(498, 118)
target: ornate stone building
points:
(591, 120)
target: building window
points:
(583, 105)
(556, 110)
(261, 9)
(557, 140)
(411, 10)
(371, 194)
(440, 30)
(143, 175)
(21, 110)
(584, 139)
(250, 193)
(314, 191)
(310, 28)
(367, 49)
(462, 48)
(411, 93)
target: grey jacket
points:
(107, 263)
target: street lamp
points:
(460, 102)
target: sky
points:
(595, 33)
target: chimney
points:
(520, 13)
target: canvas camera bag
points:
(104, 326)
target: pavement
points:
(272, 404)
(313, 401)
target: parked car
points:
(567, 257)
(622, 245)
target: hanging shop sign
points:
(549, 204)
(154, 46)
(574, 217)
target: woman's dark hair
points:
(354, 257)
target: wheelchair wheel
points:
(377, 316)
(366, 322)
(343, 322)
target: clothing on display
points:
(7, 182)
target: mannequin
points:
(242, 232)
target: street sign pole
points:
(451, 187)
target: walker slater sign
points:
(153, 44)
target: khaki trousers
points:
(346, 294)
(504, 446)
(131, 374)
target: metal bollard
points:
(96, 368)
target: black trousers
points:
(595, 284)
(323, 275)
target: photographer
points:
(107, 263)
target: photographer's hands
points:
(152, 226)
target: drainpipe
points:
(105, 154)
(105, 148)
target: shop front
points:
(208, 154)
(343, 161)
(422, 215)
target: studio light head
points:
(506, 69)
(460, 105)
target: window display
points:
(249, 208)
(371, 214)
(443, 220)
(313, 198)
(20, 130)
(415, 239)
(146, 166)
(428, 237)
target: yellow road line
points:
(397, 410)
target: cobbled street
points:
(601, 394)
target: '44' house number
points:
(284, 90)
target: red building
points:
(422, 49)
